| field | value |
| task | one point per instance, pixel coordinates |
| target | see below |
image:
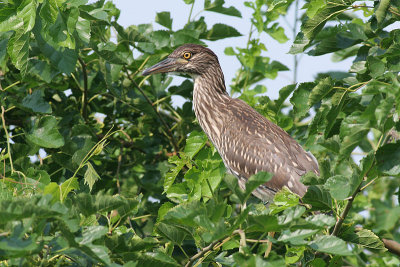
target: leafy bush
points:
(98, 167)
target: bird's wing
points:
(256, 144)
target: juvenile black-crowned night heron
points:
(246, 140)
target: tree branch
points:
(392, 246)
(85, 89)
(169, 132)
(346, 210)
(213, 246)
(201, 253)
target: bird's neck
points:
(210, 102)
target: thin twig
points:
(168, 130)
(269, 245)
(208, 249)
(201, 253)
(8, 139)
(242, 240)
(119, 168)
(294, 32)
(11, 85)
(85, 89)
(190, 13)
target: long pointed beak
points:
(167, 65)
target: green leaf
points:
(297, 237)
(283, 199)
(353, 130)
(312, 26)
(90, 176)
(388, 158)
(365, 238)
(294, 254)
(102, 203)
(321, 220)
(383, 111)
(27, 12)
(300, 99)
(49, 11)
(300, 44)
(185, 213)
(277, 32)
(40, 177)
(336, 261)
(171, 232)
(60, 192)
(221, 31)
(255, 181)
(233, 184)
(165, 207)
(164, 19)
(83, 29)
(36, 103)
(290, 214)
(45, 133)
(9, 21)
(311, 178)
(275, 4)
(185, 36)
(194, 143)
(386, 215)
(338, 186)
(91, 233)
(313, 7)
(18, 49)
(284, 93)
(264, 223)
(248, 259)
(174, 171)
(217, 6)
(376, 66)
(323, 88)
(319, 198)
(151, 259)
(330, 244)
(43, 70)
(381, 11)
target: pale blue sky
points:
(138, 12)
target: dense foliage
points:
(98, 167)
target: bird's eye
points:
(187, 55)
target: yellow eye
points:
(187, 55)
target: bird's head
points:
(191, 59)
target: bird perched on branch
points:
(247, 142)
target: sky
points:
(136, 12)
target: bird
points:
(247, 142)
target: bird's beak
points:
(167, 65)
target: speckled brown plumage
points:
(247, 141)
